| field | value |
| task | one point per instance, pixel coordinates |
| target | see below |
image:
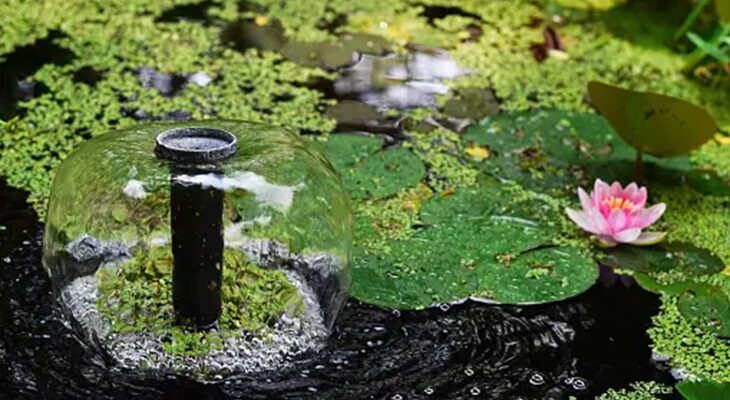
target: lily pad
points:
(708, 308)
(477, 243)
(704, 390)
(556, 151)
(368, 172)
(690, 259)
(653, 123)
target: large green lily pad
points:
(369, 172)
(478, 243)
(708, 308)
(690, 259)
(556, 151)
(653, 123)
(704, 390)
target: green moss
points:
(690, 348)
(638, 391)
(714, 156)
(443, 153)
(700, 219)
(136, 296)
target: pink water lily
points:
(617, 215)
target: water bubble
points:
(468, 371)
(397, 397)
(429, 391)
(537, 379)
(445, 307)
(7, 260)
(396, 313)
(579, 384)
(475, 391)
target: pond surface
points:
(579, 347)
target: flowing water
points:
(578, 347)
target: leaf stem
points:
(638, 167)
(691, 19)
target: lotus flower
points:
(617, 215)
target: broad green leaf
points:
(478, 243)
(553, 151)
(648, 282)
(691, 260)
(707, 308)
(653, 123)
(369, 172)
(704, 390)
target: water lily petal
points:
(600, 192)
(649, 215)
(639, 198)
(585, 200)
(649, 238)
(616, 190)
(627, 235)
(631, 190)
(616, 220)
(599, 222)
(582, 219)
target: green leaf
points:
(368, 172)
(553, 151)
(478, 243)
(704, 390)
(707, 308)
(648, 282)
(712, 49)
(653, 123)
(690, 259)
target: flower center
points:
(617, 203)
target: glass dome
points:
(179, 242)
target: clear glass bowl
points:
(276, 206)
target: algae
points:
(136, 296)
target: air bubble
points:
(429, 391)
(475, 391)
(537, 379)
(469, 372)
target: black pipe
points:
(196, 212)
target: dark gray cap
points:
(196, 145)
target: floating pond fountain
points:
(212, 247)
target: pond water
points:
(579, 347)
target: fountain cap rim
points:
(195, 144)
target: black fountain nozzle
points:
(196, 213)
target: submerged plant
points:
(615, 214)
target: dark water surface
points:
(578, 347)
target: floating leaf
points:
(557, 151)
(368, 172)
(704, 390)
(653, 123)
(707, 308)
(690, 259)
(648, 282)
(479, 243)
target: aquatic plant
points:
(653, 123)
(615, 214)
